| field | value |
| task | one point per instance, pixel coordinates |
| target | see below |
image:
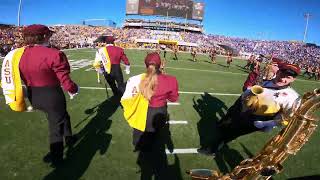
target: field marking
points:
(223, 72)
(199, 70)
(177, 122)
(174, 103)
(181, 92)
(183, 151)
(79, 64)
(203, 70)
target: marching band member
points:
(175, 52)
(43, 70)
(271, 71)
(260, 115)
(193, 54)
(145, 101)
(108, 60)
(213, 56)
(249, 62)
(229, 58)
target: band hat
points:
(36, 29)
(276, 60)
(291, 67)
(153, 58)
(109, 39)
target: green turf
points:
(105, 151)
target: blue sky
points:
(255, 19)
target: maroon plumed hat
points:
(153, 58)
(110, 39)
(36, 29)
(277, 60)
(291, 67)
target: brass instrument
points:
(265, 72)
(258, 103)
(287, 142)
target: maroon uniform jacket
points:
(167, 89)
(117, 54)
(41, 66)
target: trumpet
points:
(257, 102)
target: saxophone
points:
(287, 142)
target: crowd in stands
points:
(10, 37)
(161, 22)
(164, 25)
(75, 36)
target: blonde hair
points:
(149, 83)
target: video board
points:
(177, 8)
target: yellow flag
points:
(135, 111)
(135, 105)
(11, 80)
(107, 61)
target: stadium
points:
(207, 90)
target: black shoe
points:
(55, 162)
(47, 158)
(206, 151)
(71, 140)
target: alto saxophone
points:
(287, 142)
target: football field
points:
(104, 149)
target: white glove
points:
(72, 95)
(127, 70)
(100, 70)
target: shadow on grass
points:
(246, 150)
(92, 139)
(210, 62)
(227, 159)
(154, 163)
(210, 110)
(226, 66)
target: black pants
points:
(51, 100)
(115, 76)
(235, 124)
(156, 119)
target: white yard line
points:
(202, 70)
(174, 103)
(199, 70)
(223, 72)
(216, 94)
(183, 151)
(177, 122)
(181, 92)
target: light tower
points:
(306, 16)
(19, 10)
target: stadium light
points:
(307, 16)
(19, 10)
